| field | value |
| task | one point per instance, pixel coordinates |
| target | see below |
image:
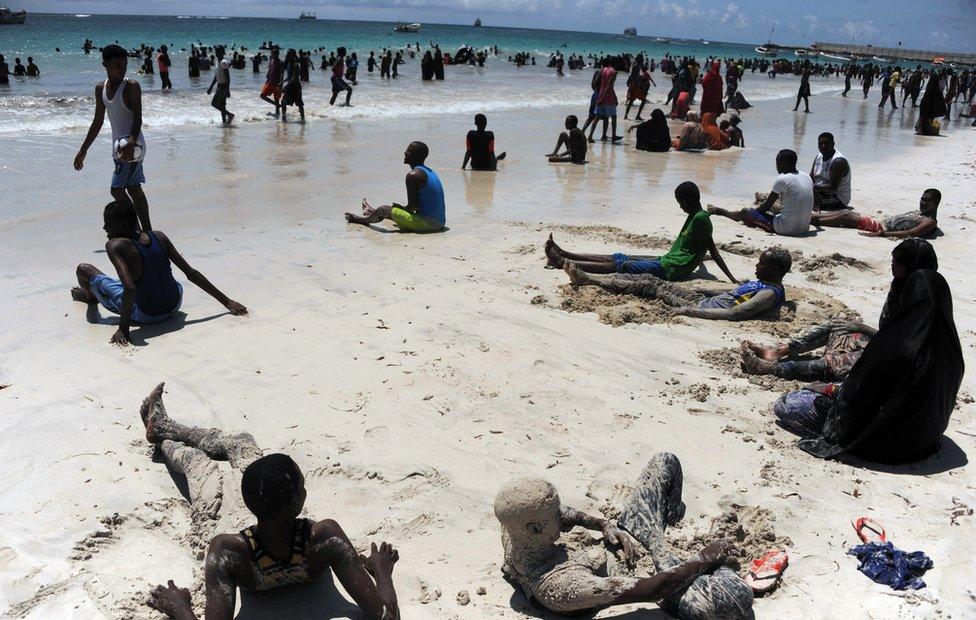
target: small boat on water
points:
(662, 40)
(769, 49)
(400, 27)
(630, 32)
(806, 52)
(306, 15)
(704, 42)
(881, 59)
(836, 57)
(8, 17)
(477, 22)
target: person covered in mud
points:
(842, 341)
(633, 563)
(752, 299)
(281, 549)
(919, 223)
(684, 257)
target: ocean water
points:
(62, 98)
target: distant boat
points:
(306, 15)
(407, 27)
(881, 59)
(704, 42)
(769, 49)
(8, 17)
(662, 40)
(805, 52)
(836, 57)
(477, 22)
(938, 60)
(630, 32)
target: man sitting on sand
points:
(831, 174)
(145, 291)
(575, 142)
(480, 147)
(281, 549)
(633, 563)
(843, 343)
(685, 255)
(424, 211)
(750, 300)
(911, 224)
(796, 190)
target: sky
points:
(941, 25)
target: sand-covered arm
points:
(761, 302)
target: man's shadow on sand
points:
(398, 231)
(140, 335)
(320, 599)
(650, 611)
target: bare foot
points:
(576, 276)
(752, 365)
(553, 256)
(770, 354)
(352, 218)
(80, 294)
(153, 415)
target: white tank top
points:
(120, 117)
(821, 176)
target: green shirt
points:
(689, 247)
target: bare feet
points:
(365, 218)
(153, 415)
(752, 365)
(80, 294)
(553, 254)
(770, 354)
(711, 209)
(576, 276)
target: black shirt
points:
(480, 147)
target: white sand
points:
(410, 375)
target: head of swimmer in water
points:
(786, 161)
(528, 510)
(341, 51)
(929, 203)
(119, 220)
(572, 122)
(774, 264)
(115, 60)
(416, 154)
(688, 197)
(825, 144)
(273, 488)
(480, 121)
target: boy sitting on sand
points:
(281, 550)
(681, 260)
(145, 291)
(750, 300)
(575, 142)
(796, 190)
(567, 576)
(424, 211)
(911, 224)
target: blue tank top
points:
(432, 197)
(744, 293)
(156, 291)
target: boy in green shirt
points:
(681, 260)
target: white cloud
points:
(940, 37)
(861, 32)
(734, 17)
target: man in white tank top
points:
(121, 99)
(831, 175)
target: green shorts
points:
(414, 222)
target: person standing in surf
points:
(122, 100)
(338, 83)
(222, 81)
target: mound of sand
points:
(821, 268)
(614, 309)
(611, 235)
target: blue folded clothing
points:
(887, 564)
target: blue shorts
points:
(109, 293)
(127, 174)
(593, 103)
(606, 111)
(757, 219)
(626, 264)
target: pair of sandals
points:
(766, 572)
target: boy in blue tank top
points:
(424, 211)
(145, 291)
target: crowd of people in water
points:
(880, 393)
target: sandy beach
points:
(410, 375)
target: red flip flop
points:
(869, 530)
(766, 572)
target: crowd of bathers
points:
(880, 393)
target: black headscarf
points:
(895, 404)
(933, 103)
(653, 134)
(912, 254)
